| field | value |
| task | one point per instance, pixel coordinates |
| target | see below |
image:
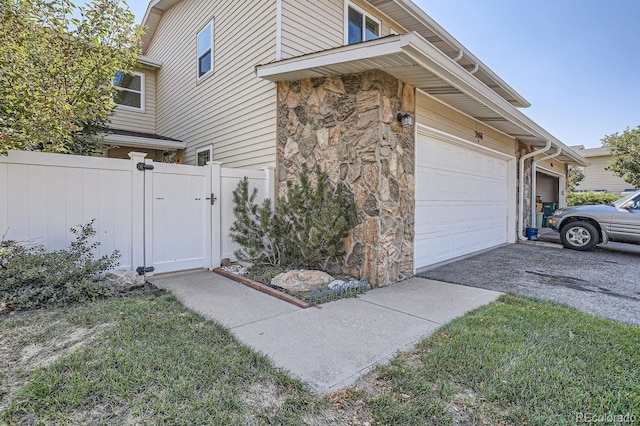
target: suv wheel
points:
(579, 235)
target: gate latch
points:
(141, 270)
(143, 166)
(212, 198)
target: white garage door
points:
(461, 200)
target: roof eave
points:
(150, 26)
(147, 62)
(136, 141)
(430, 58)
(409, 7)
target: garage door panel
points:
(461, 201)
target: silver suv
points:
(583, 227)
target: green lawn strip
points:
(151, 361)
(157, 363)
(517, 360)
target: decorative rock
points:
(225, 262)
(302, 280)
(235, 269)
(125, 280)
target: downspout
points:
(521, 188)
(534, 182)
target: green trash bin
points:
(548, 209)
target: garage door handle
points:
(212, 198)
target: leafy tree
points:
(576, 175)
(56, 71)
(625, 149)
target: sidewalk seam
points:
(401, 312)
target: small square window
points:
(203, 155)
(205, 50)
(130, 90)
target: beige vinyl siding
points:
(137, 121)
(304, 32)
(311, 26)
(231, 109)
(432, 113)
(596, 178)
(553, 164)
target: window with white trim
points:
(204, 155)
(130, 90)
(205, 50)
(360, 26)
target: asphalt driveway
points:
(602, 281)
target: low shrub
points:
(32, 278)
(583, 198)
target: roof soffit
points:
(414, 60)
(413, 18)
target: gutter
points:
(521, 188)
(534, 183)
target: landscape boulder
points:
(302, 280)
(125, 280)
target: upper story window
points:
(130, 93)
(205, 50)
(360, 26)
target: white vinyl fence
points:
(157, 215)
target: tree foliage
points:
(576, 175)
(57, 62)
(625, 149)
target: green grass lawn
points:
(146, 359)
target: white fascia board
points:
(135, 141)
(278, 71)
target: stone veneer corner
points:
(347, 125)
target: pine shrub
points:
(307, 230)
(254, 228)
(32, 278)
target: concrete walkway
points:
(328, 347)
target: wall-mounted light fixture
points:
(405, 119)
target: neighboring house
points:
(425, 137)
(596, 176)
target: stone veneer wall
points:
(347, 125)
(523, 150)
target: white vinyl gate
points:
(160, 217)
(180, 217)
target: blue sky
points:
(576, 61)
